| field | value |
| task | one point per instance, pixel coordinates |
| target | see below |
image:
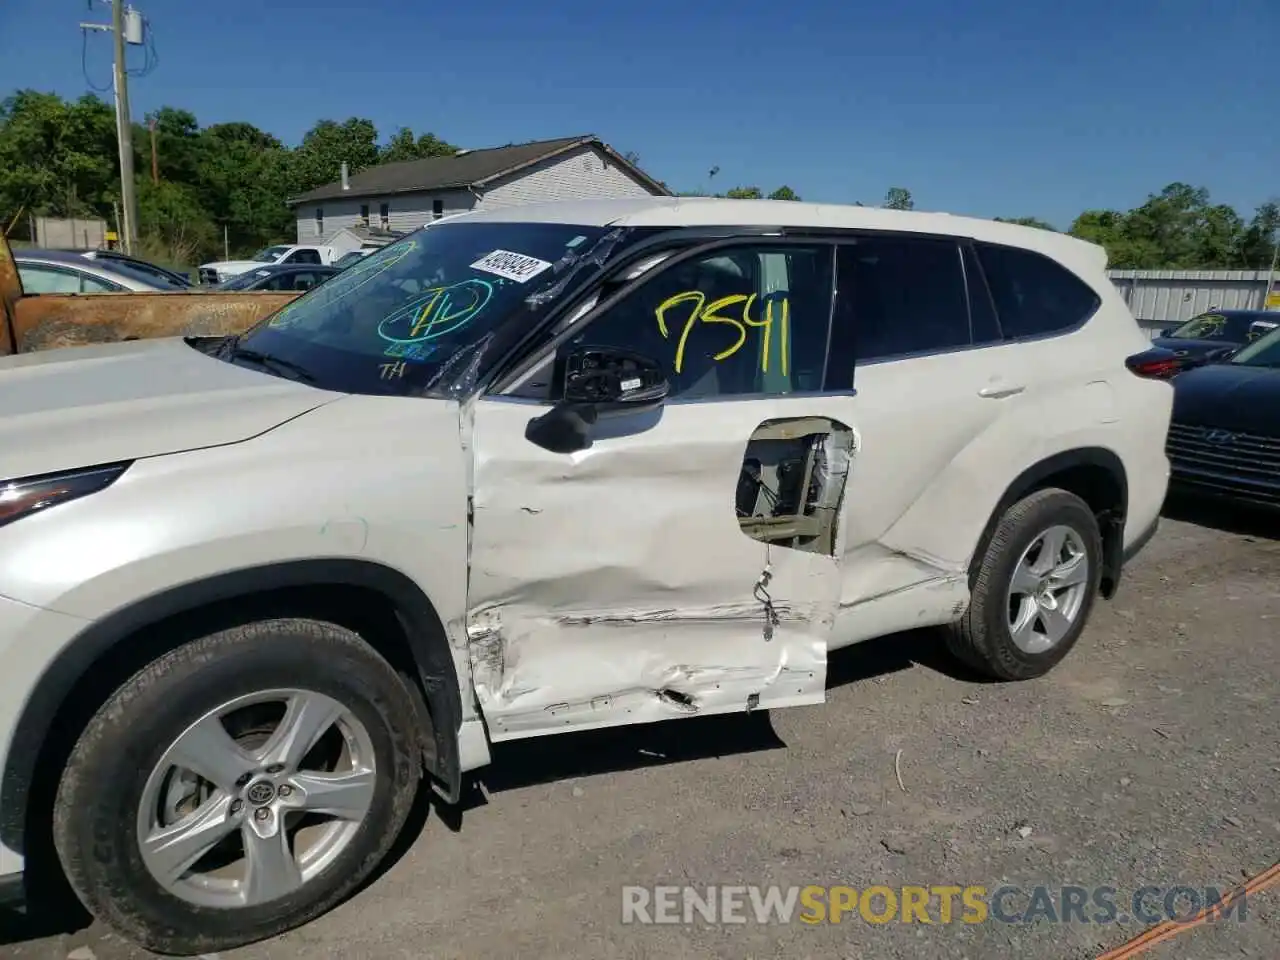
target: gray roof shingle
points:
(472, 168)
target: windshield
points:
(244, 281)
(1264, 352)
(1232, 328)
(270, 254)
(417, 314)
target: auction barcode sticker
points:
(513, 266)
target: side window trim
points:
(111, 285)
(975, 285)
(79, 276)
(863, 236)
(574, 318)
(1052, 334)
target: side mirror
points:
(597, 382)
(1167, 331)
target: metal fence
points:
(1164, 298)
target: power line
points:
(84, 63)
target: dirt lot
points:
(1151, 756)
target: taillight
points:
(1154, 366)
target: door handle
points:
(999, 393)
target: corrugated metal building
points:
(1163, 298)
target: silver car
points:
(69, 271)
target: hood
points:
(81, 406)
(1195, 348)
(1229, 395)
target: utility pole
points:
(1271, 275)
(126, 28)
(124, 126)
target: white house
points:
(401, 197)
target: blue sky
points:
(986, 107)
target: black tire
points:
(981, 638)
(95, 813)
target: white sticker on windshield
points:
(513, 266)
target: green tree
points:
(1257, 242)
(326, 146)
(403, 146)
(744, 193)
(898, 198)
(56, 158)
(173, 227)
(242, 179)
(784, 193)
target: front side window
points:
(1264, 352)
(902, 296)
(739, 320)
(304, 256)
(416, 317)
(1034, 296)
(41, 279)
(90, 284)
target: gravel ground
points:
(1150, 756)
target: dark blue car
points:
(1225, 436)
(1215, 335)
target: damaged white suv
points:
(532, 471)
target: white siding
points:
(582, 174)
(408, 212)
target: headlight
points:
(19, 498)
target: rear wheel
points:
(1034, 588)
(239, 786)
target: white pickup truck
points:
(221, 270)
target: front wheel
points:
(238, 787)
(1034, 589)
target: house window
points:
(319, 221)
(437, 209)
(384, 214)
(364, 214)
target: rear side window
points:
(902, 296)
(1034, 296)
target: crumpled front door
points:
(686, 563)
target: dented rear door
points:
(687, 562)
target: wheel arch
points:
(1096, 475)
(41, 720)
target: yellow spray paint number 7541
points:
(704, 312)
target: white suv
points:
(531, 471)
